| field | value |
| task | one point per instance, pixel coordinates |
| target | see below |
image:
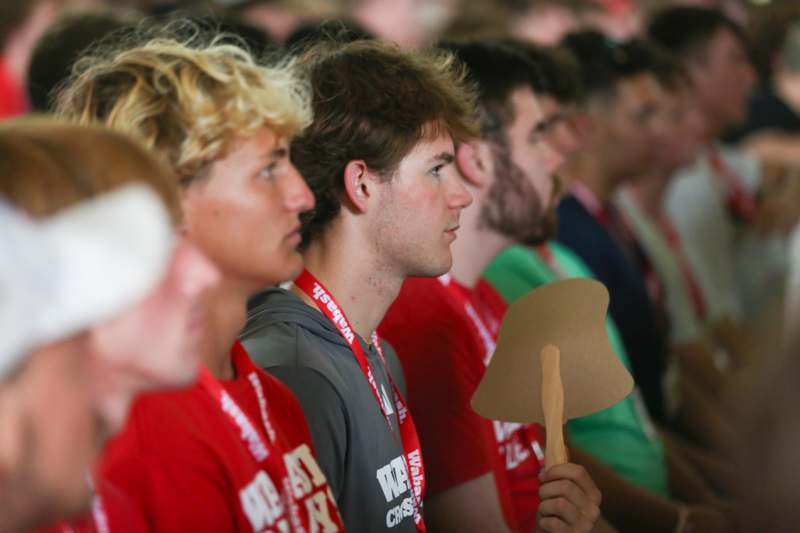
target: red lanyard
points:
(263, 449)
(547, 256)
(674, 241)
(739, 202)
(488, 340)
(412, 454)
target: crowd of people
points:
(257, 254)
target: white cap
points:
(77, 268)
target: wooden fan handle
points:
(553, 406)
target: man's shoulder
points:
(514, 260)
(293, 352)
(164, 428)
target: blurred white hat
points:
(77, 268)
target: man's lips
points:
(294, 234)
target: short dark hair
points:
(374, 102)
(687, 30)
(670, 71)
(339, 30)
(557, 67)
(604, 62)
(61, 46)
(497, 69)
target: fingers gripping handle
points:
(553, 406)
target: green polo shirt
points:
(622, 436)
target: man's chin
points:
(433, 269)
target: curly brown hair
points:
(372, 101)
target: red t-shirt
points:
(443, 359)
(520, 445)
(116, 514)
(184, 463)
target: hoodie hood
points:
(279, 306)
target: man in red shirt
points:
(233, 452)
(484, 476)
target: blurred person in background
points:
(736, 10)
(21, 25)
(232, 452)
(280, 18)
(702, 383)
(772, 129)
(78, 32)
(152, 344)
(62, 43)
(719, 205)
(542, 21)
(644, 483)
(621, 125)
(22, 22)
(409, 23)
(63, 277)
(618, 19)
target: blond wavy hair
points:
(187, 101)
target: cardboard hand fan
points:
(553, 361)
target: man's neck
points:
(474, 248)
(362, 285)
(227, 316)
(649, 193)
(592, 173)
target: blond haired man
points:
(231, 453)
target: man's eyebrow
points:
(444, 157)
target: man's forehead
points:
(433, 148)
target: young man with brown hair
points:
(486, 475)
(378, 157)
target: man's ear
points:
(357, 186)
(474, 162)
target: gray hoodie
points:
(360, 456)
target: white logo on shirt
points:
(394, 482)
(262, 504)
(264, 508)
